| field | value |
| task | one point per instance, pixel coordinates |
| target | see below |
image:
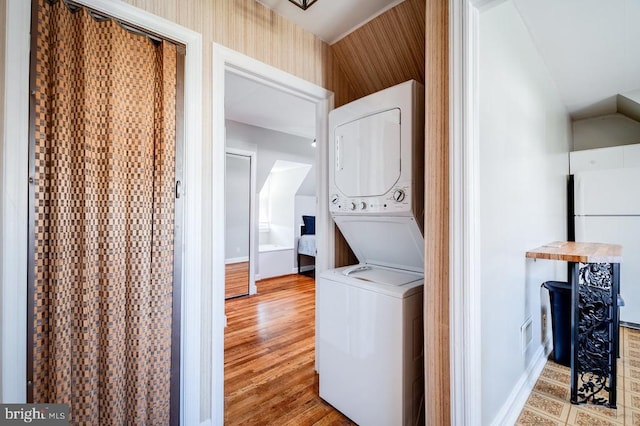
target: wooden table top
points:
(570, 251)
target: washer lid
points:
(381, 275)
(395, 242)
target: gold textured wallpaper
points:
(388, 50)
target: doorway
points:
(239, 223)
(226, 60)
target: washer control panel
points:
(398, 200)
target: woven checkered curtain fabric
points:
(104, 218)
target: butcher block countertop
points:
(570, 251)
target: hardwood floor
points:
(236, 281)
(269, 357)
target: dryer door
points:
(367, 154)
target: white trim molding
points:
(466, 363)
(15, 204)
(510, 410)
(15, 161)
(227, 60)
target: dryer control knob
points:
(363, 205)
(352, 206)
(335, 199)
(399, 195)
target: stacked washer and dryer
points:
(370, 315)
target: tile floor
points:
(549, 403)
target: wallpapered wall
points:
(386, 51)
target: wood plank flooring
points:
(269, 357)
(236, 281)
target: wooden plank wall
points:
(388, 50)
(436, 279)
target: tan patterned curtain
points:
(104, 171)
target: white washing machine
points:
(371, 344)
(370, 331)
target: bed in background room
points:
(307, 244)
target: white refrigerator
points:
(607, 210)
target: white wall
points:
(284, 185)
(237, 196)
(2, 66)
(305, 205)
(525, 137)
(605, 131)
(272, 146)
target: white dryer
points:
(370, 332)
(376, 154)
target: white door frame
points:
(225, 59)
(465, 301)
(14, 212)
(252, 212)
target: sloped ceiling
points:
(629, 105)
(591, 49)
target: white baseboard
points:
(236, 260)
(514, 404)
(632, 325)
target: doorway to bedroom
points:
(272, 330)
(270, 184)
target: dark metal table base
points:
(595, 332)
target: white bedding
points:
(307, 245)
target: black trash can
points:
(560, 298)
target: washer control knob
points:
(363, 205)
(399, 195)
(352, 206)
(335, 199)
